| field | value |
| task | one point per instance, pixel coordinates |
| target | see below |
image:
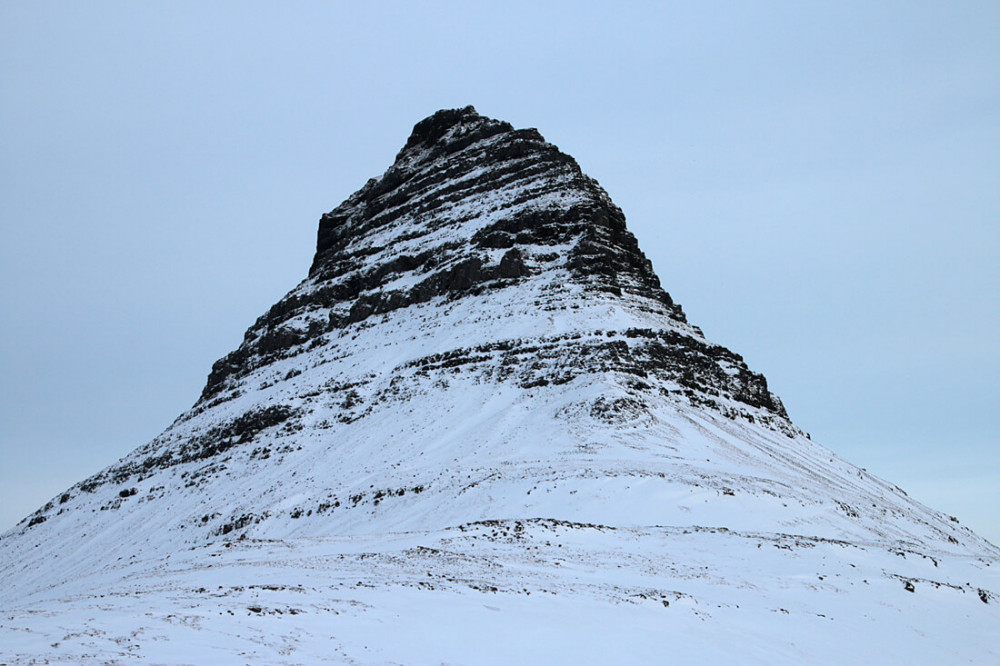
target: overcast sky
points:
(818, 184)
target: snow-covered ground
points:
(528, 532)
(519, 591)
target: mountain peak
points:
(470, 207)
(432, 128)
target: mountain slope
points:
(481, 409)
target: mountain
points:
(480, 431)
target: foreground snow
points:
(520, 591)
(665, 539)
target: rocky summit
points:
(480, 431)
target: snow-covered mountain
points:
(480, 431)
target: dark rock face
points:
(456, 166)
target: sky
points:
(818, 184)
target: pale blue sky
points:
(818, 184)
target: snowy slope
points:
(480, 432)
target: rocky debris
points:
(205, 445)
